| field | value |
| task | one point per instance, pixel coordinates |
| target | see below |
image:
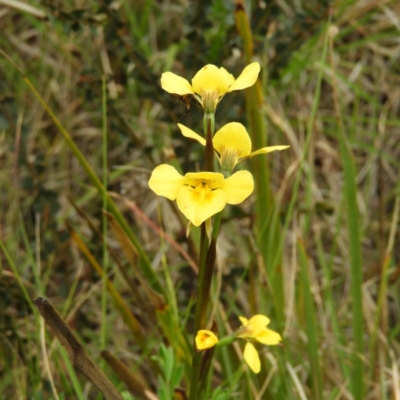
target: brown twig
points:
(80, 358)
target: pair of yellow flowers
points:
(201, 195)
(254, 329)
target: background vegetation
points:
(319, 254)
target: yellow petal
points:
(215, 179)
(173, 83)
(235, 137)
(268, 149)
(210, 78)
(197, 209)
(247, 78)
(257, 325)
(244, 321)
(191, 134)
(166, 181)
(269, 337)
(238, 187)
(205, 339)
(227, 78)
(252, 358)
(257, 322)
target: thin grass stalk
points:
(381, 309)
(38, 282)
(18, 278)
(103, 331)
(71, 372)
(45, 358)
(311, 323)
(36, 266)
(170, 292)
(380, 320)
(353, 224)
(329, 301)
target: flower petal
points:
(257, 325)
(166, 181)
(268, 149)
(259, 321)
(238, 187)
(173, 83)
(233, 136)
(215, 179)
(244, 321)
(227, 78)
(252, 358)
(191, 134)
(269, 337)
(210, 78)
(205, 339)
(197, 209)
(247, 78)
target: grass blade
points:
(311, 323)
(353, 225)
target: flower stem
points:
(209, 124)
(201, 310)
(206, 266)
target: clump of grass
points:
(319, 253)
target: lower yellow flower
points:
(203, 194)
(256, 329)
(205, 340)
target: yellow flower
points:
(256, 329)
(205, 340)
(232, 142)
(203, 194)
(210, 84)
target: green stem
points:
(201, 313)
(206, 266)
(226, 341)
(217, 224)
(209, 124)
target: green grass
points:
(315, 248)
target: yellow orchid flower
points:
(232, 142)
(256, 329)
(210, 84)
(200, 195)
(205, 340)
